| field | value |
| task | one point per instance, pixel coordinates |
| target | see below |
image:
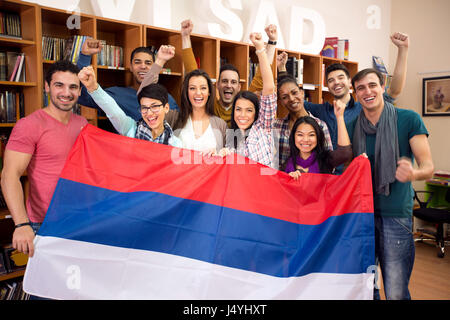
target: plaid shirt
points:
(281, 128)
(259, 145)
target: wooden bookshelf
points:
(156, 37)
(232, 52)
(12, 275)
(30, 46)
(18, 84)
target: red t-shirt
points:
(49, 141)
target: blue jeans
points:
(36, 226)
(395, 251)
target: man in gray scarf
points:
(391, 138)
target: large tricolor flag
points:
(132, 219)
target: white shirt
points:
(204, 143)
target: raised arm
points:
(187, 54)
(165, 53)
(343, 153)
(343, 138)
(264, 64)
(257, 82)
(281, 62)
(14, 165)
(121, 122)
(401, 41)
(90, 47)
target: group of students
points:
(312, 138)
(238, 121)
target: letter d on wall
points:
(299, 17)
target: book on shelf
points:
(330, 47)
(55, 49)
(252, 70)
(324, 81)
(13, 290)
(343, 49)
(8, 107)
(110, 56)
(3, 269)
(3, 66)
(378, 64)
(294, 67)
(10, 26)
(14, 260)
(334, 47)
(442, 174)
(14, 67)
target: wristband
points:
(272, 42)
(22, 224)
(260, 50)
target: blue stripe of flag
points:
(162, 223)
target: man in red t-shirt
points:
(40, 143)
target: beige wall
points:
(428, 25)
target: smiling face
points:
(244, 113)
(305, 139)
(228, 86)
(153, 112)
(198, 91)
(292, 97)
(338, 84)
(63, 90)
(140, 65)
(369, 92)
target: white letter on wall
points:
(299, 17)
(234, 28)
(374, 20)
(113, 9)
(266, 14)
(162, 14)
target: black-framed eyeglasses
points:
(154, 108)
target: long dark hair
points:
(322, 153)
(186, 107)
(237, 136)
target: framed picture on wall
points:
(436, 96)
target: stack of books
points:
(378, 64)
(336, 48)
(8, 107)
(294, 67)
(12, 66)
(110, 56)
(10, 25)
(62, 49)
(440, 178)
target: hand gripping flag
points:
(132, 219)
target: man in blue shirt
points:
(339, 84)
(141, 60)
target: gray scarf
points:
(386, 145)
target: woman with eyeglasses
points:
(154, 105)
